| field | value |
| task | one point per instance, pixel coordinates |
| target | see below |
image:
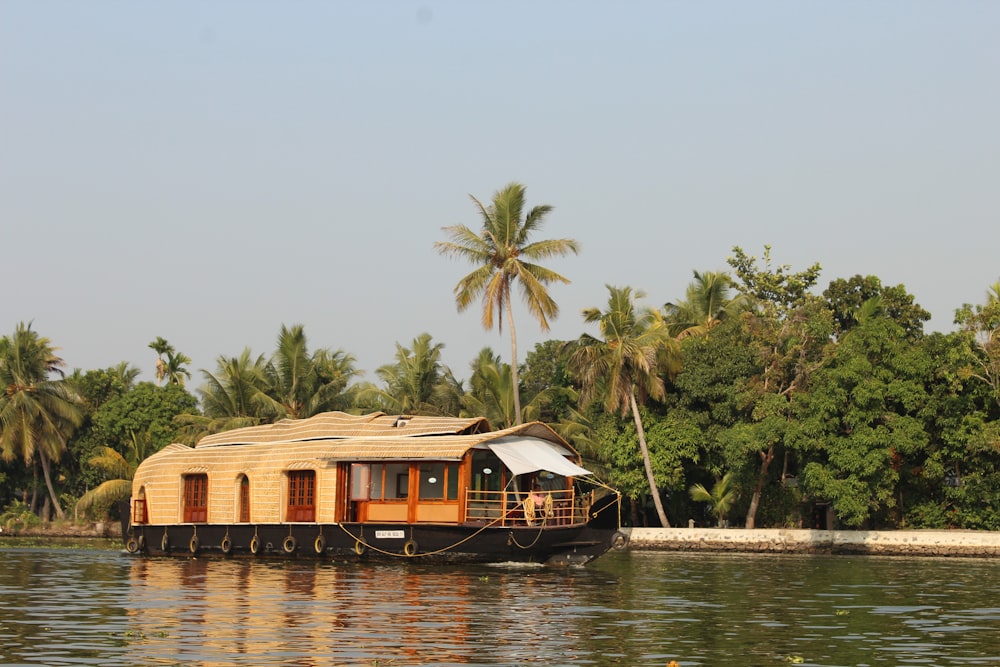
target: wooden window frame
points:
(244, 496)
(196, 498)
(301, 506)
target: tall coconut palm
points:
(627, 364)
(37, 414)
(720, 499)
(706, 304)
(504, 254)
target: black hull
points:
(418, 543)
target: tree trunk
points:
(765, 462)
(646, 461)
(513, 365)
(48, 482)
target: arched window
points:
(243, 493)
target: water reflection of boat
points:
(374, 487)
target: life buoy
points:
(619, 541)
(359, 547)
(227, 545)
(410, 548)
(319, 544)
(194, 544)
(165, 543)
(289, 544)
(132, 545)
(254, 545)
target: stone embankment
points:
(966, 543)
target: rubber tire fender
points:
(226, 545)
(359, 547)
(254, 545)
(619, 541)
(289, 544)
(132, 546)
(194, 544)
(319, 544)
(410, 548)
(165, 543)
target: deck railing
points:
(513, 508)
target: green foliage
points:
(848, 298)
(720, 499)
(504, 255)
(862, 413)
(146, 411)
(418, 383)
(18, 516)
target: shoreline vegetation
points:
(952, 543)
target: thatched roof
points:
(348, 448)
(330, 425)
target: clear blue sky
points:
(208, 171)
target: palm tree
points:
(720, 499)
(300, 384)
(504, 255)
(706, 304)
(626, 364)
(491, 392)
(169, 363)
(417, 384)
(161, 347)
(119, 469)
(37, 415)
(174, 370)
(232, 397)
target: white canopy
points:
(523, 455)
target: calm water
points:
(101, 607)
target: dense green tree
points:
(789, 329)
(862, 416)
(953, 482)
(147, 411)
(625, 365)
(37, 414)
(504, 255)
(847, 299)
(96, 388)
(980, 325)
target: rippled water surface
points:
(102, 607)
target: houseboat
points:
(377, 487)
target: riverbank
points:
(968, 543)
(61, 529)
